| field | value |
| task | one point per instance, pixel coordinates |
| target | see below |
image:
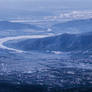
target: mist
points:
(10, 8)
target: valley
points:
(53, 60)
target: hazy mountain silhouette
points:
(75, 26)
(5, 25)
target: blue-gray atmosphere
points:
(45, 46)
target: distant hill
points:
(65, 42)
(5, 25)
(75, 26)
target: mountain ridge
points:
(64, 42)
(6, 25)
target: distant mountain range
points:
(75, 26)
(5, 25)
(64, 42)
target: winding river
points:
(3, 40)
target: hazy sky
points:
(45, 3)
(15, 7)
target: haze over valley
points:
(45, 49)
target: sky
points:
(24, 4)
(24, 7)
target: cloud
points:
(71, 15)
